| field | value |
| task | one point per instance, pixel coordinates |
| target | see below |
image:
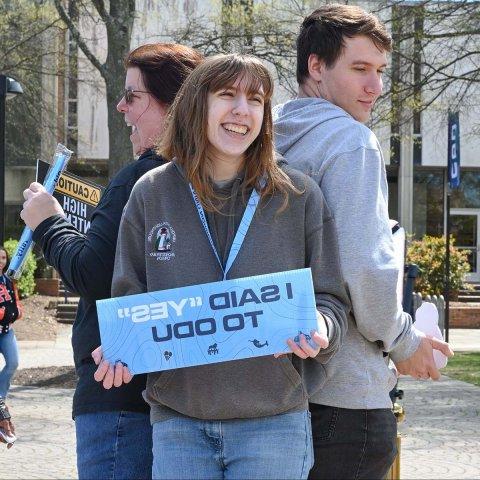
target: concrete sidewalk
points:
(46, 435)
(441, 430)
(441, 439)
(51, 353)
(465, 339)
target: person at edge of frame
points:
(113, 431)
(341, 58)
(6, 423)
(245, 418)
(10, 311)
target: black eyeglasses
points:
(129, 94)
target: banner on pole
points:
(208, 323)
(453, 150)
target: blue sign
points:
(208, 323)
(453, 150)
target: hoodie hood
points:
(310, 132)
(296, 118)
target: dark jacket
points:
(10, 306)
(85, 264)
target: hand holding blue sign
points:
(111, 375)
(118, 374)
(300, 345)
(208, 323)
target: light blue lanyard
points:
(241, 231)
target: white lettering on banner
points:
(217, 301)
(74, 207)
(81, 224)
(454, 170)
(157, 311)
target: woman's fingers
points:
(295, 348)
(118, 374)
(109, 377)
(304, 349)
(97, 355)
(320, 339)
(127, 376)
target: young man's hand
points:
(421, 364)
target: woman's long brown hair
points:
(186, 138)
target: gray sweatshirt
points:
(344, 158)
(301, 236)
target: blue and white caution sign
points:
(208, 323)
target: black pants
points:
(352, 444)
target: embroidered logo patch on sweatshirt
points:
(161, 238)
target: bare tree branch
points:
(100, 6)
(78, 38)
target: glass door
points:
(464, 226)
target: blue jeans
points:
(276, 447)
(9, 349)
(114, 445)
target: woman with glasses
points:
(232, 211)
(112, 426)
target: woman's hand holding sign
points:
(303, 348)
(111, 375)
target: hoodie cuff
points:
(45, 225)
(408, 346)
(329, 324)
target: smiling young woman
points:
(243, 418)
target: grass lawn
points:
(464, 366)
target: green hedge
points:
(429, 254)
(26, 283)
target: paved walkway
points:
(465, 339)
(52, 353)
(441, 429)
(45, 430)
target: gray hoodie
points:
(344, 158)
(301, 236)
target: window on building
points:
(392, 179)
(468, 194)
(428, 202)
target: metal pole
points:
(447, 267)
(3, 98)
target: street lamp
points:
(9, 88)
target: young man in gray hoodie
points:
(341, 56)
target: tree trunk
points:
(120, 148)
(119, 32)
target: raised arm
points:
(84, 262)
